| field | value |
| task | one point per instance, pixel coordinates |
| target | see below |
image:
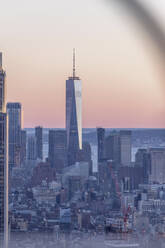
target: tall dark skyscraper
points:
(3, 163)
(39, 142)
(57, 149)
(125, 147)
(73, 116)
(112, 147)
(100, 142)
(31, 148)
(157, 156)
(23, 146)
(143, 160)
(14, 126)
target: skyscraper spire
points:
(74, 63)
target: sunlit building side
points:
(3, 163)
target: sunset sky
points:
(118, 65)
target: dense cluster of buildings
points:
(68, 163)
(115, 149)
(62, 193)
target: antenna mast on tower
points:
(74, 64)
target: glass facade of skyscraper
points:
(14, 119)
(73, 118)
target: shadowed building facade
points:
(112, 147)
(157, 165)
(14, 126)
(23, 147)
(3, 163)
(143, 160)
(31, 148)
(57, 154)
(73, 116)
(39, 142)
(100, 143)
(125, 147)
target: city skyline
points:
(82, 150)
(112, 95)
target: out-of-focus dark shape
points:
(149, 23)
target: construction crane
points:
(125, 211)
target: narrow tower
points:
(73, 115)
(3, 163)
(14, 112)
(2, 86)
(39, 142)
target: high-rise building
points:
(57, 149)
(73, 116)
(125, 147)
(3, 163)
(39, 142)
(51, 156)
(100, 143)
(85, 155)
(2, 87)
(112, 147)
(14, 130)
(23, 147)
(157, 165)
(3, 181)
(31, 148)
(143, 160)
(130, 176)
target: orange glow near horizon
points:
(115, 61)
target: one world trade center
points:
(73, 115)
